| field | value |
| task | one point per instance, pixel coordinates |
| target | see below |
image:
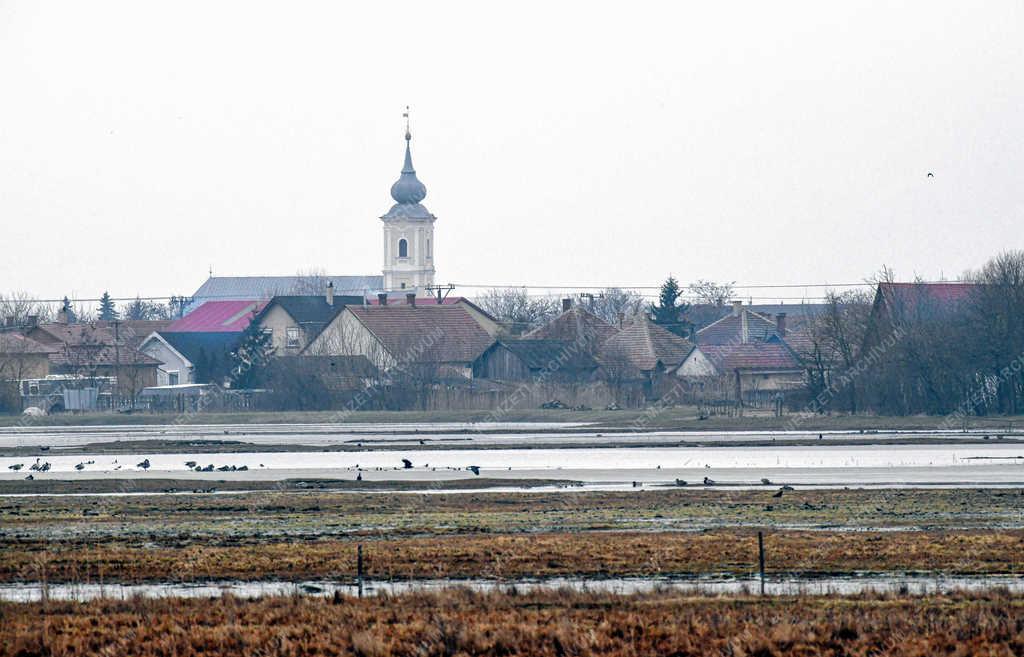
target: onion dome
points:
(408, 189)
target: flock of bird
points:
(407, 464)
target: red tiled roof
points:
(13, 343)
(87, 356)
(218, 316)
(645, 344)
(728, 330)
(575, 324)
(427, 334)
(751, 356)
(922, 301)
(947, 293)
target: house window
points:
(291, 338)
(430, 254)
(172, 378)
(403, 286)
(403, 248)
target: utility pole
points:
(441, 290)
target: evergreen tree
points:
(668, 312)
(251, 358)
(107, 310)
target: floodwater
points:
(774, 585)
(954, 464)
(454, 434)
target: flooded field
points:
(774, 585)
(946, 464)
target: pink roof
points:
(218, 316)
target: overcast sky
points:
(142, 143)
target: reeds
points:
(539, 623)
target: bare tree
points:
(615, 303)
(17, 307)
(997, 316)
(711, 293)
(617, 371)
(833, 345)
(516, 310)
(311, 282)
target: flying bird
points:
(407, 464)
(144, 465)
(475, 469)
(778, 493)
(931, 175)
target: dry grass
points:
(524, 555)
(549, 623)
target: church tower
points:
(408, 231)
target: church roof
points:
(258, 288)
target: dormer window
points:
(403, 248)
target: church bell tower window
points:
(403, 248)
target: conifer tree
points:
(251, 358)
(108, 312)
(669, 310)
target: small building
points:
(22, 357)
(646, 347)
(426, 342)
(745, 371)
(94, 350)
(293, 321)
(191, 357)
(535, 359)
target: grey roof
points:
(408, 191)
(541, 354)
(311, 312)
(257, 288)
(192, 345)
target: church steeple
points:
(408, 189)
(408, 229)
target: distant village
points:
(396, 340)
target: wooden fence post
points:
(359, 569)
(760, 557)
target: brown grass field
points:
(459, 622)
(587, 554)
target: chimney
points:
(330, 293)
(622, 319)
(737, 308)
(780, 324)
(744, 328)
(410, 299)
(62, 316)
(382, 298)
(566, 304)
